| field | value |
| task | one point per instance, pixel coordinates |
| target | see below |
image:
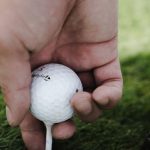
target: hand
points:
(79, 34)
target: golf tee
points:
(48, 137)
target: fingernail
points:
(10, 119)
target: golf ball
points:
(52, 88)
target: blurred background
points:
(127, 126)
(134, 23)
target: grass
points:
(126, 126)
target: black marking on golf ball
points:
(41, 68)
(46, 78)
(77, 90)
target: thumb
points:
(15, 78)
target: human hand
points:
(80, 35)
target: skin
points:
(81, 34)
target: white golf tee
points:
(48, 137)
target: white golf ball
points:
(52, 88)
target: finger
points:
(42, 57)
(85, 107)
(15, 77)
(86, 56)
(107, 96)
(64, 130)
(33, 133)
(110, 83)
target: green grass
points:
(126, 126)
